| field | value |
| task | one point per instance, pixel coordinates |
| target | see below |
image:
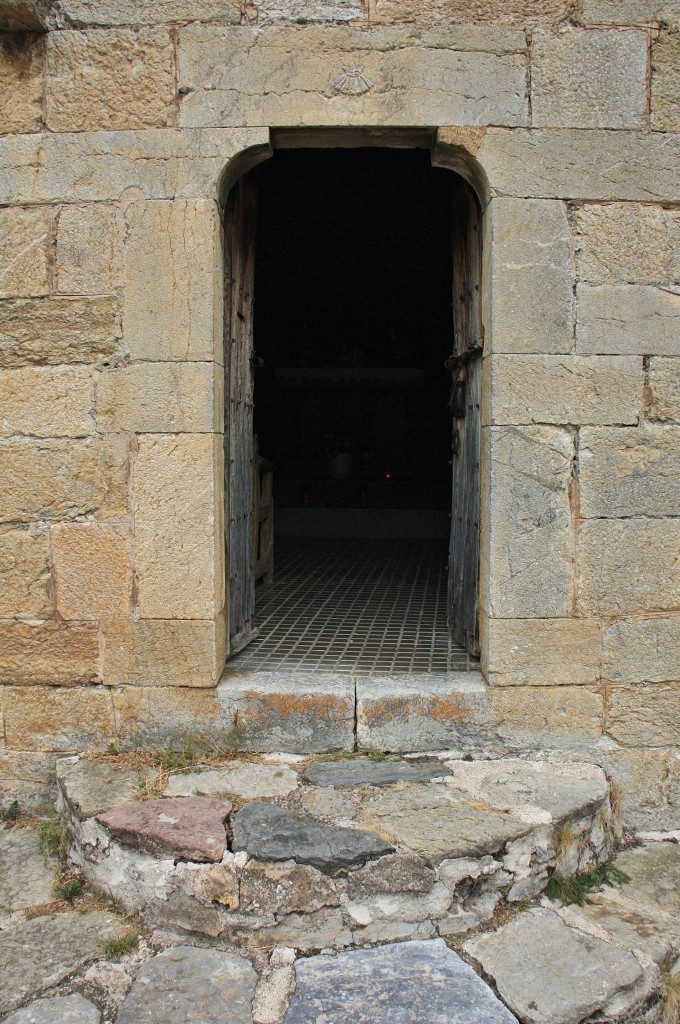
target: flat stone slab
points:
(430, 820)
(185, 985)
(247, 781)
(184, 828)
(373, 773)
(635, 927)
(269, 832)
(41, 952)
(25, 878)
(548, 973)
(73, 1009)
(421, 982)
(654, 871)
(93, 786)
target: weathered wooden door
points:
(466, 370)
(240, 224)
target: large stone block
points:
(92, 572)
(176, 536)
(639, 775)
(297, 76)
(58, 331)
(626, 242)
(629, 471)
(24, 246)
(642, 650)
(49, 653)
(130, 80)
(547, 717)
(627, 319)
(630, 12)
(172, 287)
(644, 716)
(531, 288)
(163, 652)
(543, 652)
(78, 13)
(163, 163)
(21, 84)
(664, 389)
(666, 81)
(50, 718)
(24, 572)
(531, 537)
(160, 398)
(563, 389)
(589, 164)
(54, 401)
(513, 12)
(27, 777)
(586, 79)
(63, 479)
(157, 716)
(628, 565)
(88, 249)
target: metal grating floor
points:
(361, 606)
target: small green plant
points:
(69, 889)
(13, 812)
(54, 839)
(578, 888)
(377, 755)
(114, 949)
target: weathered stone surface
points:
(91, 787)
(394, 873)
(21, 84)
(627, 319)
(654, 871)
(323, 929)
(635, 927)
(158, 652)
(24, 15)
(542, 652)
(25, 879)
(129, 84)
(564, 716)
(589, 79)
(642, 650)
(627, 242)
(223, 88)
(531, 542)
(248, 781)
(272, 833)
(327, 802)
(373, 773)
(430, 819)
(514, 12)
(88, 249)
(159, 398)
(628, 565)
(398, 910)
(128, 12)
(36, 954)
(92, 571)
(176, 534)
(629, 471)
(641, 777)
(74, 1009)
(24, 572)
(56, 718)
(26, 776)
(50, 401)
(191, 986)
(531, 277)
(413, 981)
(57, 331)
(48, 652)
(156, 716)
(630, 12)
(285, 888)
(549, 973)
(564, 389)
(185, 829)
(218, 883)
(644, 716)
(24, 243)
(172, 289)
(666, 80)
(180, 914)
(62, 479)
(664, 389)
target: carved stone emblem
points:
(352, 82)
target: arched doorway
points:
(352, 276)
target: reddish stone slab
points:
(183, 828)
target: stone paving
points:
(401, 891)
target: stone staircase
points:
(299, 890)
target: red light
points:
(388, 475)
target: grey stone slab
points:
(548, 973)
(633, 926)
(248, 781)
(39, 953)
(420, 982)
(374, 773)
(185, 985)
(91, 787)
(25, 878)
(654, 871)
(272, 833)
(74, 1009)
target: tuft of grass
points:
(670, 997)
(13, 812)
(54, 840)
(377, 755)
(577, 889)
(68, 889)
(114, 949)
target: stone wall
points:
(119, 125)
